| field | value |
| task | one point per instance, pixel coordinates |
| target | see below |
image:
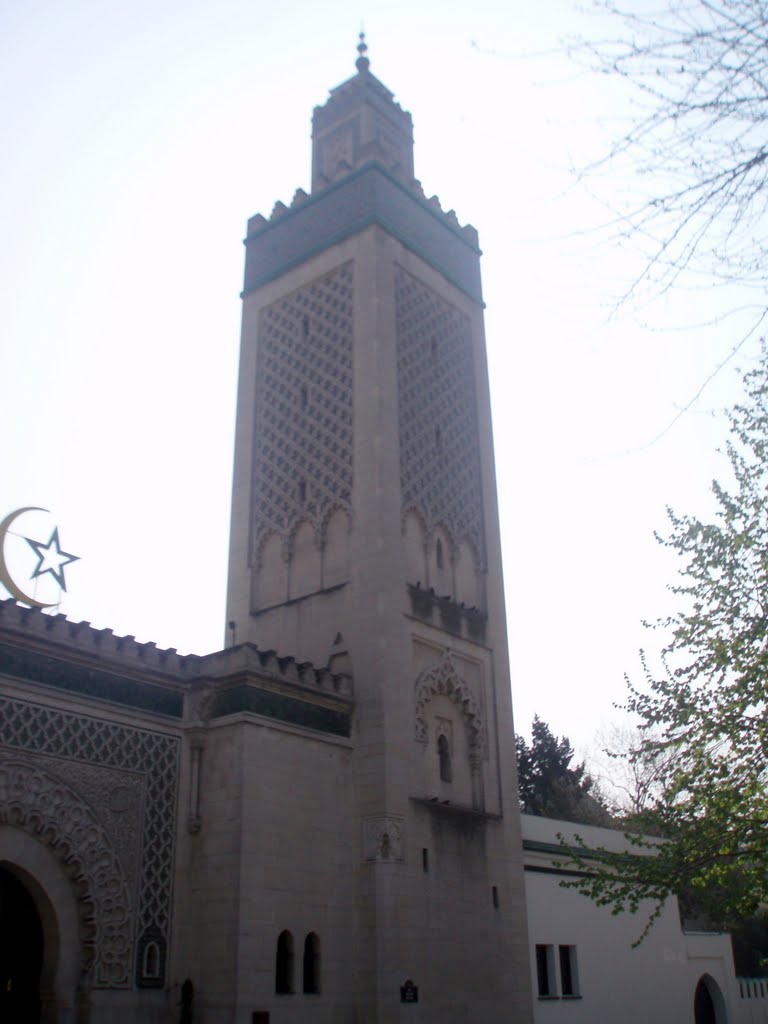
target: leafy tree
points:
(699, 69)
(549, 786)
(705, 715)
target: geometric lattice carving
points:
(442, 678)
(303, 428)
(152, 755)
(41, 804)
(439, 447)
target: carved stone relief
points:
(42, 804)
(442, 678)
(100, 786)
(439, 445)
(303, 429)
(383, 838)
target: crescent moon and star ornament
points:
(25, 561)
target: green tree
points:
(705, 714)
(549, 787)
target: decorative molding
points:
(58, 817)
(150, 755)
(443, 678)
(383, 837)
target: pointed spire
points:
(362, 63)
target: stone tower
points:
(365, 539)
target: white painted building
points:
(586, 968)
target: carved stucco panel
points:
(127, 777)
(58, 816)
(443, 678)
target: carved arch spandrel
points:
(52, 812)
(443, 678)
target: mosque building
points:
(319, 823)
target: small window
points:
(569, 976)
(545, 972)
(151, 964)
(311, 964)
(444, 756)
(439, 553)
(495, 896)
(425, 860)
(284, 964)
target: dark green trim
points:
(89, 682)
(439, 216)
(535, 846)
(281, 707)
(367, 196)
(537, 869)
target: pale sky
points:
(137, 140)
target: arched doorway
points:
(21, 952)
(708, 1002)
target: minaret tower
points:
(365, 538)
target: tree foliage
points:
(705, 715)
(698, 70)
(549, 786)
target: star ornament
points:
(51, 559)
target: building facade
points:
(319, 822)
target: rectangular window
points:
(569, 975)
(545, 971)
(425, 859)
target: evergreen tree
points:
(549, 787)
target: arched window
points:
(439, 553)
(312, 963)
(444, 756)
(284, 964)
(151, 964)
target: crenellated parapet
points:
(248, 660)
(73, 658)
(367, 195)
(466, 231)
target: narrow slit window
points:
(444, 757)
(439, 553)
(284, 964)
(151, 965)
(495, 896)
(425, 860)
(311, 964)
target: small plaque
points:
(409, 993)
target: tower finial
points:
(362, 63)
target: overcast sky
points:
(137, 140)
